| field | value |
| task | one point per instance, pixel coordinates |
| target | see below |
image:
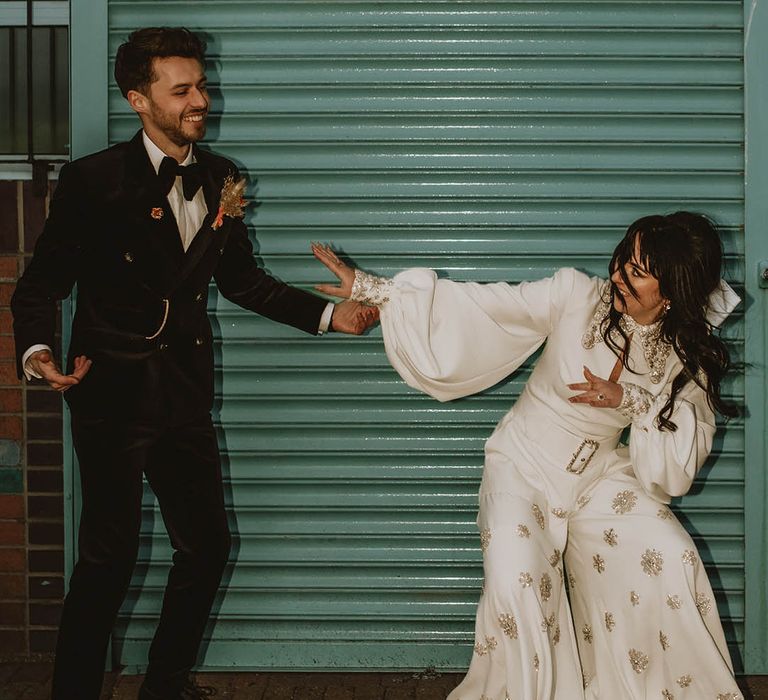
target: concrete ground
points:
(31, 681)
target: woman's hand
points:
(597, 392)
(344, 272)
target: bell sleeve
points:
(666, 462)
(451, 339)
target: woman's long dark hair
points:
(684, 253)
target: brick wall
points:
(31, 501)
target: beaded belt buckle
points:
(582, 456)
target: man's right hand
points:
(42, 362)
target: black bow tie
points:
(191, 177)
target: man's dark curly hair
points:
(133, 63)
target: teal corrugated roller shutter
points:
(490, 140)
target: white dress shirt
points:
(189, 217)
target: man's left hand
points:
(353, 317)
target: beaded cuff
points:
(370, 289)
(635, 401)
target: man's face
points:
(178, 99)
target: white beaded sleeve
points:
(370, 289)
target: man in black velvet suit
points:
(139, 228)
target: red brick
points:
(6, 290)
(6, 319)
(9, 221)
(45, 455)
(11, 533)
(46, 587)
(12, 587)
(34, 216)
(13, 641)
(44, 428)
(8, 374)
(12, 560)
(45, 614)
(46, 561)
(9, 267)
(45, 481)
(10, 400)
(13, 614)
(42, 641)
(42, 399)
(45, 507)
(11, 427)
(7, 348)
(46, 533)
(11, 506)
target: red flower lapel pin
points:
(156, 213)
(231, 200)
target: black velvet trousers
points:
(183, 468)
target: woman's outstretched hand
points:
(344, 272)
(597, 392)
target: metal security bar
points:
(34, 83)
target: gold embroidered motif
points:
(556, 635)
(704, 604)
(535, 662)
(545, 587)
(571, 582)
(652, 562)
(489, 645)
(586, 678)
(548, 623)
(638, 660)
(581, 501)
(666, 695)
(655, 350)
(538, 515)
(611, 537)
(624, 502)
(664, 513)
(684, 681)
(728, 696)
(663, 640)
(508, 625)
(674, 602)
(554, 558)
(598, 563)
(634, 599)
(586, 631)
(559, 513)
(485, 539)
(610, 623)
(523, 531)
(526, 579)
(689, 557)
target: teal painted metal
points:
(756, 345)
(492, 141)
(88, 133)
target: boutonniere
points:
(156, 213)
(231, 200)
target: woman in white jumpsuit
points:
(592, 587)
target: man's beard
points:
(172, 126)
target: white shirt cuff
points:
(325, 319)
(29, 373)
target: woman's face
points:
(647, 306)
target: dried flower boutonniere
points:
(231, 200)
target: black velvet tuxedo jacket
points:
(111, 231)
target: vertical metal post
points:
(756, 341)
(30, 95)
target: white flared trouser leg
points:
(524, 643)
(646, 621)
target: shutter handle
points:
(762, 274)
